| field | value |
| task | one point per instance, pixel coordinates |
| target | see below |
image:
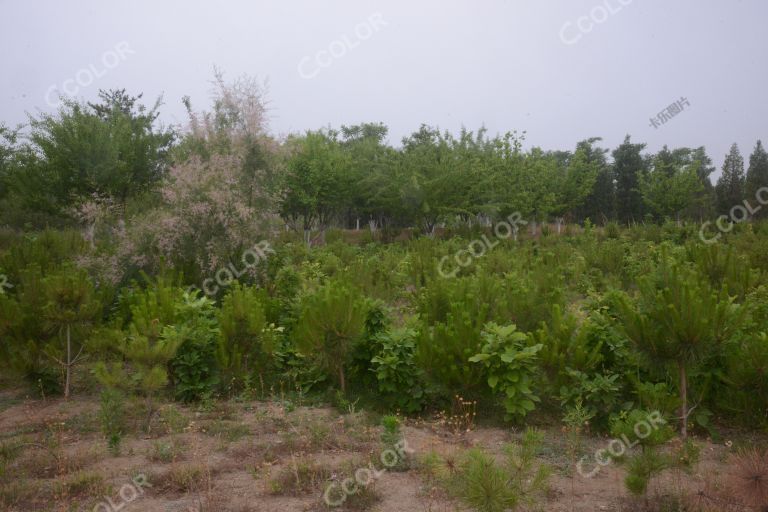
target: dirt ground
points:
(276, 457)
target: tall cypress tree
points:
(704, 205)
(730, 185)
(628, 166)
(757, 176)
(600, 204)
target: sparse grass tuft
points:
(15, 492)
(84, 485)
(182, 478)
(298, 477)
(229, 431)
(173, 420)
(167, 451)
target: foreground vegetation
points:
(600, 325)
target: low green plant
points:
(149, 344)
(567, 345)
(399, 379)
(166, 451)
(510, 366)
(612, 230)
(392, 441)
(112, 418)
(298, 477)
(489, 486)
(343, 403)
(194, 371)
(650, 431)
(174, 420)
(599, 394)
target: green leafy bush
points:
(398, 378)
(511, 367)
(600, 394)
(194, 371)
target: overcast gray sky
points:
(563, 70)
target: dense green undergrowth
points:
(606, 321)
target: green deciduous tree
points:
(316, 181)
(114, 148)
(671, 186)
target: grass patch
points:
(227, 430)
(167, 451)
(301, 476)
(84, 485)
(14, 493)
(182, 478)
(173, 420)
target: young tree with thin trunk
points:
(71, 309)
(332, 321)
(677, 319)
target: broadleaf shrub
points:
(398, 379)
(510, 366)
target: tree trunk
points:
(342, 381)
(69, 364)
(684, 402)
(150, 410)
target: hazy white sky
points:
(563, 70)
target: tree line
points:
(116, 150)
